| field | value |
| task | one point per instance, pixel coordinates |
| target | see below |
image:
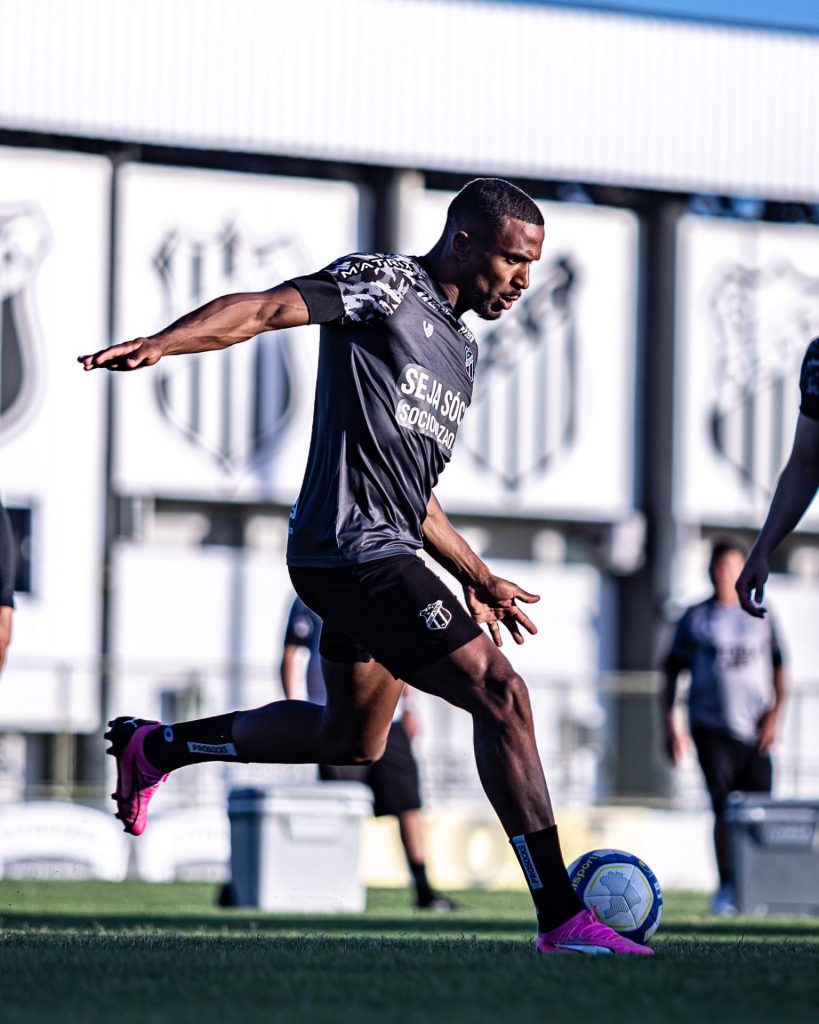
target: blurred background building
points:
(638, 402)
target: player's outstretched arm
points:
(218, 324)
(490, 599)
(794, 492)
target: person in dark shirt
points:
(734, 702)
(795, 490)
(395, 374)
(7, 569)
(393, 779)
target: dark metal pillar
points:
(638, 769)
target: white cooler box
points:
(775, 846)
(297, 848)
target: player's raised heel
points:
(137, 778)
(584, 934)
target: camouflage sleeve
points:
(371, 287)
(809, 381)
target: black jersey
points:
(395, 375)
(809, 381)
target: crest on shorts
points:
(24, 242)
(435, 616)
(235, 407)
(523, 411)
(762, 320)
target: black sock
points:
(206, 739)
(542, 862)
(422, 886)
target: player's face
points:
(726, 573)
(499, 266)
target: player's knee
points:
(353, 752)
(504, 699)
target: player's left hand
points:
(751, 584)
(767, 732)
(493, 601)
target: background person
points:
(734, 702)
(394, 779)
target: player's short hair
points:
(491, 201)
(720, 548)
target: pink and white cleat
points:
(583, 933)
(137, 779)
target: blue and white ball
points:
(621, 890)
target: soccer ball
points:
(621, 890)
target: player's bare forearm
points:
(795, 490)
(216, 325)
(443, 542)
(490, 599)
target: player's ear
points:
(461, 246)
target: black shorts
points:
(730, 765)
(393, 779)
(394, 610)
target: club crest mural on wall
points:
(748, 306)
(24, 242)
(236, 407)
(762, 318)
(523, 412)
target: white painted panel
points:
(53, 235)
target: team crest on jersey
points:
(234, 407)
(469, 363)
(524, 407)
(762, 318)
(24, 242)
(435, 616)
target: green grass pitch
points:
(92, 952)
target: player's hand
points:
(767, 732)
(130, 355)
(676, 745)
(6, 614)
(751, 584)
(493, 601)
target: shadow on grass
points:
(750, 927)
(430, 925)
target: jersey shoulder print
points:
(371, 286)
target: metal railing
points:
(599, 736)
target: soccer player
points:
(794, 492)
(396, 366)
(735, 701)
(7, 564)
(393, 779)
